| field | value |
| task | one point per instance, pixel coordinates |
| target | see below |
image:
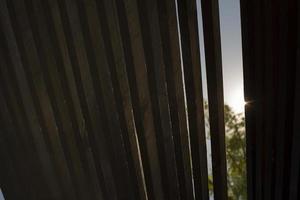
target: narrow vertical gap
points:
(235, 137)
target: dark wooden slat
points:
(254, 55)
(9, 182)
(57, 97)
(169, 31)
(295, 152)
(247, 23)
(74, 96)
(107, 99)
(270, 72)
(33, 71)
(286, 90)
(127, 14)
(213, 57)
(152, 42)
(295, 149)
(111, 64)
(27, 154)
(141, 99)
(187, 11)
(16, 142)
(17, 74)
(7, 172)
(272, 39)
(12, 146)
(259, 97)
(283, 133)
(69, 31)
(116, 52)
(66, 101)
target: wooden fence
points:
(102, 99)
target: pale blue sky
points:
(231, 53)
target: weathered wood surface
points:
(102, 99)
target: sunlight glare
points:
(236, 101)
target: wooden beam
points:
(213, 58)
(188, 23)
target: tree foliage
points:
(235, 152)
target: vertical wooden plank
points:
(17, 74)
(10, 180)
(116, 52)
(259, 96)
(187, 11)
(67, 105)
(107, 97)
(248, 70)
(169, 30)
(156, 65)
(7, 172)
(141, 97)
(13, 150)
(270, 92)
(57, 97)
(12, 136)
(111, 72)
(43, 55)
(283, 131)
(254, 82)
(127, 14)
(295, 149)
(295, 155)
(69, 32)
(27, 155)
(213, 57)
(33, 71)
(75, 96)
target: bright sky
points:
(231, 54)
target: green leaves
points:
(235, 152)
